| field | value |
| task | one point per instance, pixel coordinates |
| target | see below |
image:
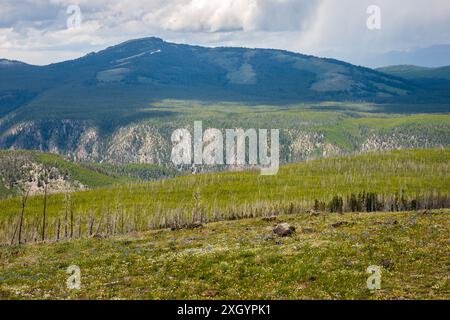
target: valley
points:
(307, 131)
(88, 186)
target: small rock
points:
(267, 237)
(387, 223)
(211, 293)
(391, 223)
(195, 225)
(339, 224)
(284, 229)
(99, 236)
(313, 212)
(307, 230)
(386, 263)
(269, 219)
(348, 264)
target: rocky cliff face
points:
(143, 143)
(21, 173)
(137, 143)
(82, 141)
(77, 138)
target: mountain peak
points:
(139, 41)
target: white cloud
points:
(242, 15)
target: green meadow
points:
(326, 258)
(392, 181)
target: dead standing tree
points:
(21, 219)
(44, 215)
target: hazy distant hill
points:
(433, 57)
(415, 72)
(436, 80)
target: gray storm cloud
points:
(35, 30)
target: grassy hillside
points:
(416, 72)
(132, 172)
(97, 175)
(436, 80)
(245, 260)
(24, 171)
(391, 181)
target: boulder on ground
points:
(307, 230)
(340, 224)
(314, 213)
(387, 263)
(195, 225)
(284, 229)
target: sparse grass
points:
(244, 260)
